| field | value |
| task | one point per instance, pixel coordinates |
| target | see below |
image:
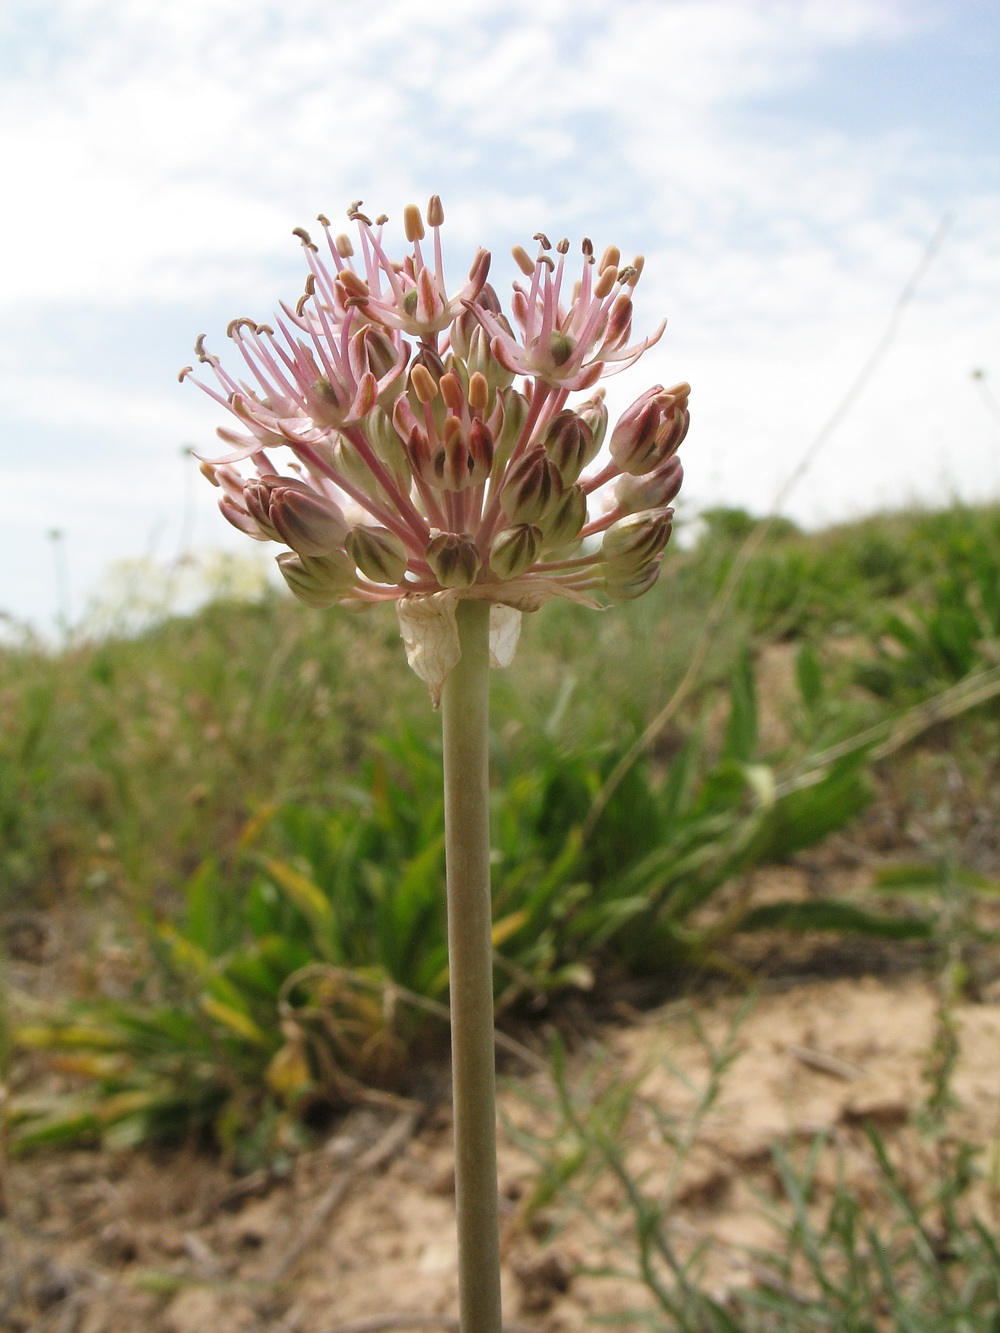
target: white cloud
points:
(160, 155)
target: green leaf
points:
(741, 728)
(832, 914)
(809, 675)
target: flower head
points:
(415, 464)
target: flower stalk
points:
(434, 459)
(465, 722)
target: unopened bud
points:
(319, 581)
(594, 412)
(563, 522)
(514, 407)
(514, 550)
(454, 559)
(384, 439)
(378, 553)
(652, 491)
(532, 487)
(569, 442)
(348, 461)
(310, 523)
(625, 587)
(634, 540)
(651, 430)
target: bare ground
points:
(363, 1226)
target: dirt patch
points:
(102, 1242)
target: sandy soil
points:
(363, 1226)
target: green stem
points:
(465, 723)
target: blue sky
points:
(782, 166)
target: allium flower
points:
(422, 471)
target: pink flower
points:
(395, 453)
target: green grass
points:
(253, 793)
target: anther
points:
(322, 219)
(265, 328)
(542, 240)
(435, 211)
(343, 246)
(199, 348)
(629, 275)
(242, 321)
(587, 246)
(612, 255)
(413, 223)
(548, 261)
(310, 284)
(522, 259)
(479, 391)
(355, 286)
(382, 219)
(184, 373)
(562, 246)
(355, 214)
(303, 235)
(604, 284)
(423, 383)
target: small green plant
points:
(915, 1257)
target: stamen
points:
(413, 223)
(435, 211)
(423, 383)
(304, 237)
(523, 260)
(183, 373)
(604, 284)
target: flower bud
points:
(389, 448)
(594, 413)
(348, 461)
(378, 553)
(454, 559)
(653, 491)
(514, 550)
(563, 522)
(570, 445)
(512, 412)
(651, 430)
(243, 521)
(633, 541)
(306, 521)
(319, 581)
(625, 587)
(481, 358)
(373, 352)
(532, 487)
